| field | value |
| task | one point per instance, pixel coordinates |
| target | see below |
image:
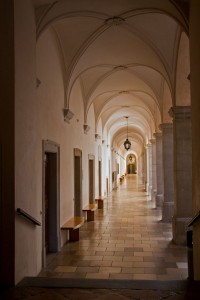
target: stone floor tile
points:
(109, 270)
(182, 265)
(101, 263)
(85, 252)
(143, 254)
(144, 277)
(126, 264)
(97, 276)
(132, 258)
(174, 271)
(133, 270)
(113, 258)
(157, 271)
(103, 253)
(121, 276)
(143, 264)
(65, 269)
(87, 269)
(91, 257)
(168, 277)
(75, 275)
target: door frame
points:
(54, 148)
(78, 153)
(91, 157)
(100, 176)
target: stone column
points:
(168, 171)
(145, 168)
(140, 170)
(159, 169)
(194, 22)
(182, 171)
(149, 168)
(154, 184)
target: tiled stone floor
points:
(126, 253)
(126, 241)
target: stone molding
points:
(97, 136)
(164, 126)
(180, 112)
(86, 128)
(153, 141)
(68, 114)
(148, 146)
(157, 135)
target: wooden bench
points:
(73, 226)
(100, 201)
(121, 178)
(90, 209)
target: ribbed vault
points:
(124, 54)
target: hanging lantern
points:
(127, 143)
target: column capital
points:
(152, 141)
(157, 135)
(180, 112)
(164, 126)
(148, 146)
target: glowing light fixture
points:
(127, 143)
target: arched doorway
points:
(131, 164)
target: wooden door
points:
(91, 181)
(77, 182)
(99, 178)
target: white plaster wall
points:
(53, 127)
(104, 168)
(105, 159)
(27, 153)
(88, 148)
(99, 155)
(39, 116)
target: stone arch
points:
(182, 94)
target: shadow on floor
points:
(119, 290)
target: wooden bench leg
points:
(74, 235)
(90, 215)
(100, 204)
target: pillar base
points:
(159, 200)
(179, 226)
(149, 190)
(141, 179)
(167, 211)
(153, 195)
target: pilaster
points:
(149, 168)
(168, 171)
(154, 179)
(159, 169)
(141, 177)
(182, 171)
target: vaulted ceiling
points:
(124, 55)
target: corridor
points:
(126, 241)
